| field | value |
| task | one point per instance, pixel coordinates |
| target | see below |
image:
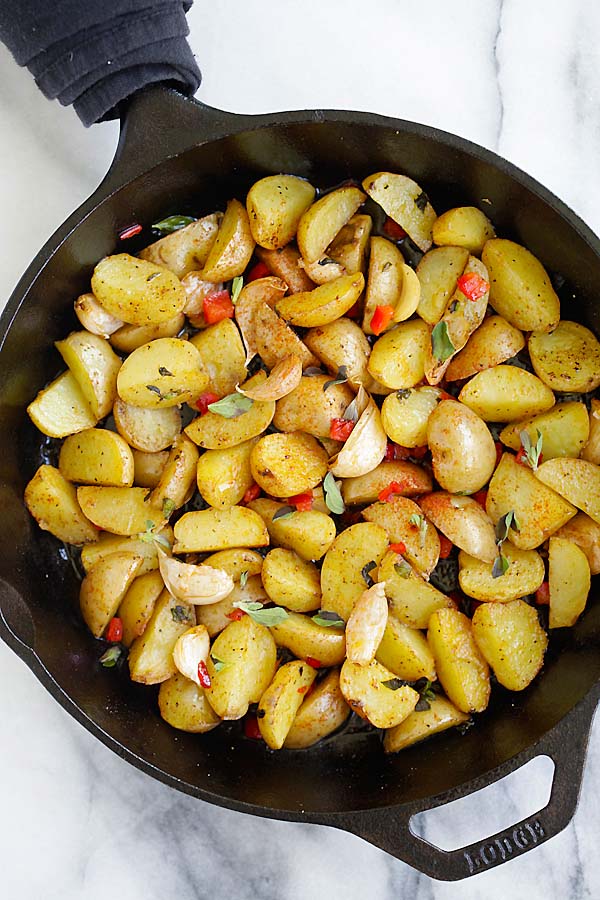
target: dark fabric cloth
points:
(95, 53)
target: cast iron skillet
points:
(177, 155)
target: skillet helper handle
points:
(96, 54)
(389, 829)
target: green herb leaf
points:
(272, 616)
(110, 657)
(326, 261)
(532, 453)
(154, 389)
(365, 572)
(387, 265)
(168, 507)
(420, 522)
(504, 525)
(328, 619)
(231, 406)
(501, 566)
(172, 223)
(423, 704)
(453, 306)
(284, 512)
(312, 371)
(421, 201)
(403, 569)
(236, 288)
(162, 370)
(333, 497)
(244, 578)
(393, 684)
(340, 378)
(403, 393)
(180, 614)
(219, 664)
(442, 346)
(149, 537)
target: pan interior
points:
(349, 772)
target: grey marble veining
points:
(520, 78)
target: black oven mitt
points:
(95, 53)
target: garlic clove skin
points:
(192, 647)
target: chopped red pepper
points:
(381, 318)
(203, 675)
(499, 451)
(521, 457)
(394, 487)
(204, 401)
(315, 663)
(129, 232)
(303, 689)
(235, 615)
(393, 230)
(251, 729)
(217, 306)
(445, 546)
(302, 502)
(481, 497)
(542, 595)
(472, 285)
(341, 429)
(114, 630)
(400, 548)
(252, 493)
(260, 270)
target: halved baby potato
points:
(321, 713)
(224, 476)
(186, 249)
(462, 448)
(568, 358)
(310, 407)
(53, 503)
(94, 366)
(275, 205)
(405, 415)
(223, 357)
(166, 372)
(97, 456)
(461, 667)
(398, 358)
(412, 599)
(233, 246)
(591, 451)
(183, 704)
(120, 510)
(104, 587)
(577, 480)
(412, 479)
(285, 264)
(307, 639)
(524, 575)
(323, 304)
(405, 652)
(148, 467)
(61, 408)
(130, 337)
(464, 522)
(137, 606)
(342, 343)
(310, 534)
(114, 543)
(137, 291)
(321, 222)
(342, 579)
(177, 477)
(404, 201)
(291, 581)
(512, 641)
(463, 226)
(404, 522)
(584, 532)
(564, 429)
(216, 432)
(216, 616)
(438, 271)
(569, 582)
(219, 529)
(390, 283)
(280, 702)
(372, 692)
(506, 394)
(495, 341)
(420, 725)
(288, 464)
(349, 247)
(150, 430)
(151, 654)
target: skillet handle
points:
(390, 830)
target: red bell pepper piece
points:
(341, 429)
(260, 270)
(400, 548)
(302, 502)
(204, 401)
(235, 615)
(521, 457)
(393, 230)
(394, 487)
(472, 285)
(315, 663)
(542, 595)
(251, 729)
(445, 546)
(381, 318)
(252, 493)
(129, 232)
(217, 306)
(203, 674)
(114, 630)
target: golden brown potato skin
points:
(462, 448)
(288, 464)
(309, 408)
(322, 713)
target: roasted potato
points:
(520, 289)
(506, 394)
(163, 373)
(103, 588)
(342, 579)
(284, 264)
(232, 248)
(495, 341)
(461, 667)
(280, 702)
(463, 226)
(97, 456)
(216, 616)
(322, 221)
(405, 652)
(404, 522)
(323, 304)
(249, 654)
(418, 726)
(148, 467)
(61, 408)
(178, 476)
(349, 247)
(137, 291)
(342, 343)
(151, 654)
(219, 529)
(130, 337)
(137, 606)
(438, 272)
(412, 599)
(291, 581)
(577, 480)
(373, 693)
(95, 368)
(184, 705)
(390, 283)
(512, 641)
(275, 205)
(224, 476)
(404, 201)
(463, 453)
(399, 356)
(121, 510)
(321, 713)
(236, 561)
(53, 503)
(524, 575)
(186, 249)
(405, 415)
(310, 408)
(288, 464)
(216, 432)
(568, 358)
(308, 640)
(591, 450)
(223, 357)
(146, 548)
(413, 479)
(149, 430)
(310, 534)
(569, 581)
(463, 521)
(584, 532)
(564, 430)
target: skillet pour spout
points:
(176, 155)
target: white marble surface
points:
(518, 77)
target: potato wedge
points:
(176, 481)
(250, 656)
(413, 480)
(233, 246)
(236, 561)
(405, 415)
(577, 480)
(61, 408)
(137, 291)
(288, 464)
(148, 467)
(291, 581)
(274, 339)
(365, 449)
(224, 476)
(323, 304)
(52, 501)
(322, 221)
(412, 599)
(404, 523)
(539, 510)
(349, 247)
(569, 581)
(279, 704)
(137, 606)
(462, 448)
(461, 667)
(223, 357)
(104, 587)
(390, 282)
(310, 534)
(322, 713)
(95, 368)
(584, 532)
(151, 654)
(366, 625)
(114, 543)
(310, 408)
(520, 287)
(94, 317)
(495, 341)
(120, 510)
(438, 272)
(284, 264)
(308, 640)
(404, 201)
(371, 692)
(150, 430)
(130, 337)
(564, 430)
(186, 249)
(524, 575)
(184, 705)
(215, 616)
(399, 356)
(342, 581)
(511, 640)
(568, 358)
(405, 652)
(463, 226)
(506, 394)
(275, 205)
(342, 343)
(591, 450)
(418, 726)
(163, 373)
(97, 456)
(216, 432)
(219, 529)
(464, 522)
